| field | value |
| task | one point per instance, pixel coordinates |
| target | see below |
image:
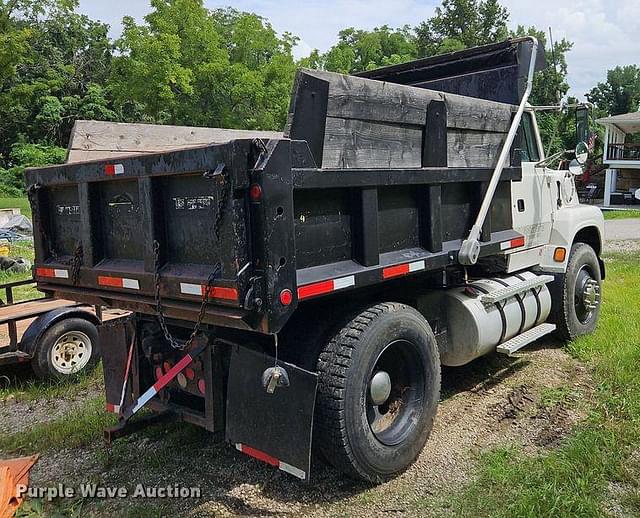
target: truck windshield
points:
(529, 146)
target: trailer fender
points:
(38, 327)
(273, 427)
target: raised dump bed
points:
(370, 180)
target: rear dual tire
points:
(378, 392)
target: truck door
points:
(532, 200)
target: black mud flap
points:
(275, 428)
(114, 339)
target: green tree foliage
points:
(358, 50)
(26, 155)
(620, 93)
(458, 24)
(188, 65)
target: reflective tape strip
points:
(118, 282)
(265, 457)
(113, 408)
(319, 288)
(215, 292)
(113, 169)
(402, 269)
(513, 243)
(52, 272)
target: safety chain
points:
(217, 270)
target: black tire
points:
(569, 307)
(386, 337)
(43, 363)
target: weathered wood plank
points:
(351, 143)
(473, 148)
(111, 139)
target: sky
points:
(604, 32)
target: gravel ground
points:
(622, 235)
(495, 400)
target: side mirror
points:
(575, 168)
(582, 152)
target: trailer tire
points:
(386, 349)
(576, 296)
(67, 348)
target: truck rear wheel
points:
(576, 294)
(67, 348)
(378, 392)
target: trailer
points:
(304, 289)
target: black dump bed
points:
(370, 182)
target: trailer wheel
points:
(576, 295)
(378, 392)
(67, 348)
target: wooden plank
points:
(353, 97)
(473, 148)
(125, 139)
(356, 144)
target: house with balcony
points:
(622, 155)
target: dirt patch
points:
(532, 401)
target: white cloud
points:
(604, 32)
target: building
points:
(622, 155)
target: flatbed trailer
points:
(307, 287)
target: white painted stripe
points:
(144, 399)
(132, 284)
(116, 409)
(416, 266)
(344, 282)
(292, 470)
(243, 269)
(505, 244)
(238, 446)
(118, 169)
(190, 289)
(61, 274)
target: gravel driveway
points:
(622, 235)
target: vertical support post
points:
(366, 246)
(86, 236)
(149, 223)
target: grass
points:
(575, 479)
(25, 250)
(621, 214)
(19, 203)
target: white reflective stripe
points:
(132, 284)
(190, 289)
(344, 282)
(238, 446)
(292, 470)
(505, 244)
(116, 409)
(144, 399)
(62, 274)
(118, 169)
(417, 266)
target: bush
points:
(26, 155)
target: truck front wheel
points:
(68, 347)
(576, 295)
(378, 392)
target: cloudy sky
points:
(604, 32)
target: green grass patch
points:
(17, 203)
(575, 479)
(78, 428)
(25, 250)
(621, 214)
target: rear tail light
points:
(202, 386)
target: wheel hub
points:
(71, 352)
(380, 387)
(591, 294)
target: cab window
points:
(529, 146)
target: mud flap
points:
(114, 339)
(275, 428)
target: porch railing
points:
(623, 152)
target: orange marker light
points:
(559, 254)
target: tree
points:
(459, 24)
(189, 65)
(620, 93)
(358, 50)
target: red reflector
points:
(103, 280)
(109, 169)
(45, 272)
(159, 373)
(216, 292)
(255, 192)
(189, 373)
(395, 271)
(202, 386)
(315, 289)
(286, 297)
(260, 455)
(518, 241)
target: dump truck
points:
(300, 292)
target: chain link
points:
(217, 270)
